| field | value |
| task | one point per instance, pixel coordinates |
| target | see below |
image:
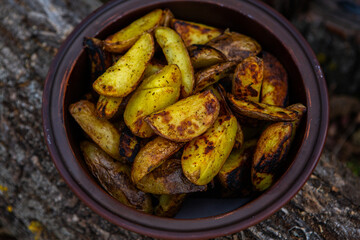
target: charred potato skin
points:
(202, 56)
(275, 83)
(107, 107)
(129, 145)
(115, 178)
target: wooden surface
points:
(34, 200)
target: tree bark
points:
(36, 202)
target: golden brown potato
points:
(204, 156)
(247, 79)
(115, 178)
(212, 74)
(125, 38)
(107, 107)
(272, 147)
(129, 145)
(261, 111)
(168, 17)
(152, 155)
(169, 205)
(202, 56)
(194, 33)
(122, 78)
(100, 131)
(152, 68)
(275, 83)
(154, 93)
(168, 178)
(176, 53)
(187, 118)
(235, 46)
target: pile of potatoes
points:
(178, 107)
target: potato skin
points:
(202, 56)
(129, 145)
(187, 118)
(169, 205)
(248, 78)
(100, 131)
(115, 178)
(176, 53)
(168, 178)
(235, 46)
(107, 107)
(123, 77)
(154, 93)
(275, 83)
(152, 155)
(126, 37)
(204, 156)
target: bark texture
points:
(34, 200)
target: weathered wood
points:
(35, 201)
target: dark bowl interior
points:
(68, 80)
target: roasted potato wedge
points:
(154, 93)
(122, 78)
(100, 131)
(248, 78)
(125, 38)
(152, 68)
(169, 205)
(194, 33)
(202, 56)
(168, 178)
(129, 145)
(152, 155)
(107, 107)
(211, 75)
(235, 46)
(261, 111)
(204, 156)
(115, 178)
(275, 83)
(168, 17)
(187, 118)
(176, 53)
(272, 147)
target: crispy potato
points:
(168, 17)
(275, 83)
(187, 118)
(154, 93)
(115, 178)
(235, 46)
(152, 155)
(261, 111)
(125, 38)
(152, 68)
(205, 56)
(273, 145)
(204, 156)
(212, 74)
(107, 107)
(122, 78)
(194, 33)
(247, 79)
(100, 131)
(176, 53)
(168, 178)
(169, 205)
(129, 145)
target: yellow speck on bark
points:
(36, 228)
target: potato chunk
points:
(205, 56)
(187, 118)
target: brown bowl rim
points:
(259, 209)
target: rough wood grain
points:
(36, 202)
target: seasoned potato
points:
(169, 205)
(235, 46)
(261, 111)
(187, 118)
(129, 145)
(152, 155)
(152, 68)
(204, 156)
(194, 33)
(106, 107)
(168, 17)
(154, 93)
(125, 38)
(115, 178)
(176, 53)
(100, 131)
(168, 178)
(122, 78)
(205, 56)
(275, 83)
(212, 74)
(247, 79)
